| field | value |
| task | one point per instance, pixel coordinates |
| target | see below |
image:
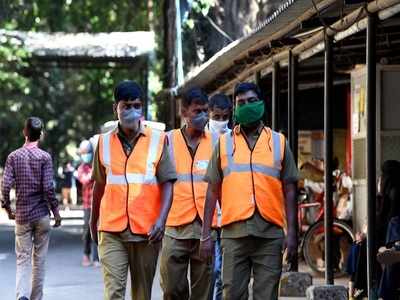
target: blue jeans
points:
(89, 247)
(216, 283)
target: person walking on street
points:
(133, 178)
(190, 150)
(68, 173)
(253, 173)
(85, 178)
(30, 170)
(220, 111)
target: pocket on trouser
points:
(23, 243)
(100, 245)
(267, 268)
(273, 248)
(111, 249)
(43, 225)
(21, 229)
(236, 268)
(100, 238)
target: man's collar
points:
(203, 134)
(31, 144)
(141, 130)
(237, 130)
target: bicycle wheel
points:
(314, 247)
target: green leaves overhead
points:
(73, 102)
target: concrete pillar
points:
(327, 292)
(294, 284)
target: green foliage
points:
(203, 6)
(199, 7)
(13, 60)
(73, 102)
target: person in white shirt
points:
(220, 112)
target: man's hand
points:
(206, 248)
(157, 231)
(57, 220)
(291, 248)
(10, 213)
(290, 190)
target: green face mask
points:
(249, 112)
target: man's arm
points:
(290, 190)
(7, 184)
(289, 177)
(214, 178)
(98, 192)
(48, 190)
(99, 178)
(166, 176)
(157, 231)
(213, 194)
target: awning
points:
(80, 47)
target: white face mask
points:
(129, 117)
(218, 126)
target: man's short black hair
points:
(127, 90)
(220, 101)
(194, 95)
(244, 87)
(33, 128)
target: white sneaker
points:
(96, 264)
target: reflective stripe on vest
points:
(190, 188)
(171, 148)
(268, 171)
(186, 177)
(276, 138)
(132, 178)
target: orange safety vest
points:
(252, 178)
(189, 189)
(132, 193)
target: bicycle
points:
(312, 236)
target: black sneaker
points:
(23, 298)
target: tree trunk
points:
(170, 58)
(237, 18)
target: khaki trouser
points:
(176, 257)
(116, 256)
(31, 245)
(242, 257)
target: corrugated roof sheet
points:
(98, 45)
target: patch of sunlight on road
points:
(3, 256)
